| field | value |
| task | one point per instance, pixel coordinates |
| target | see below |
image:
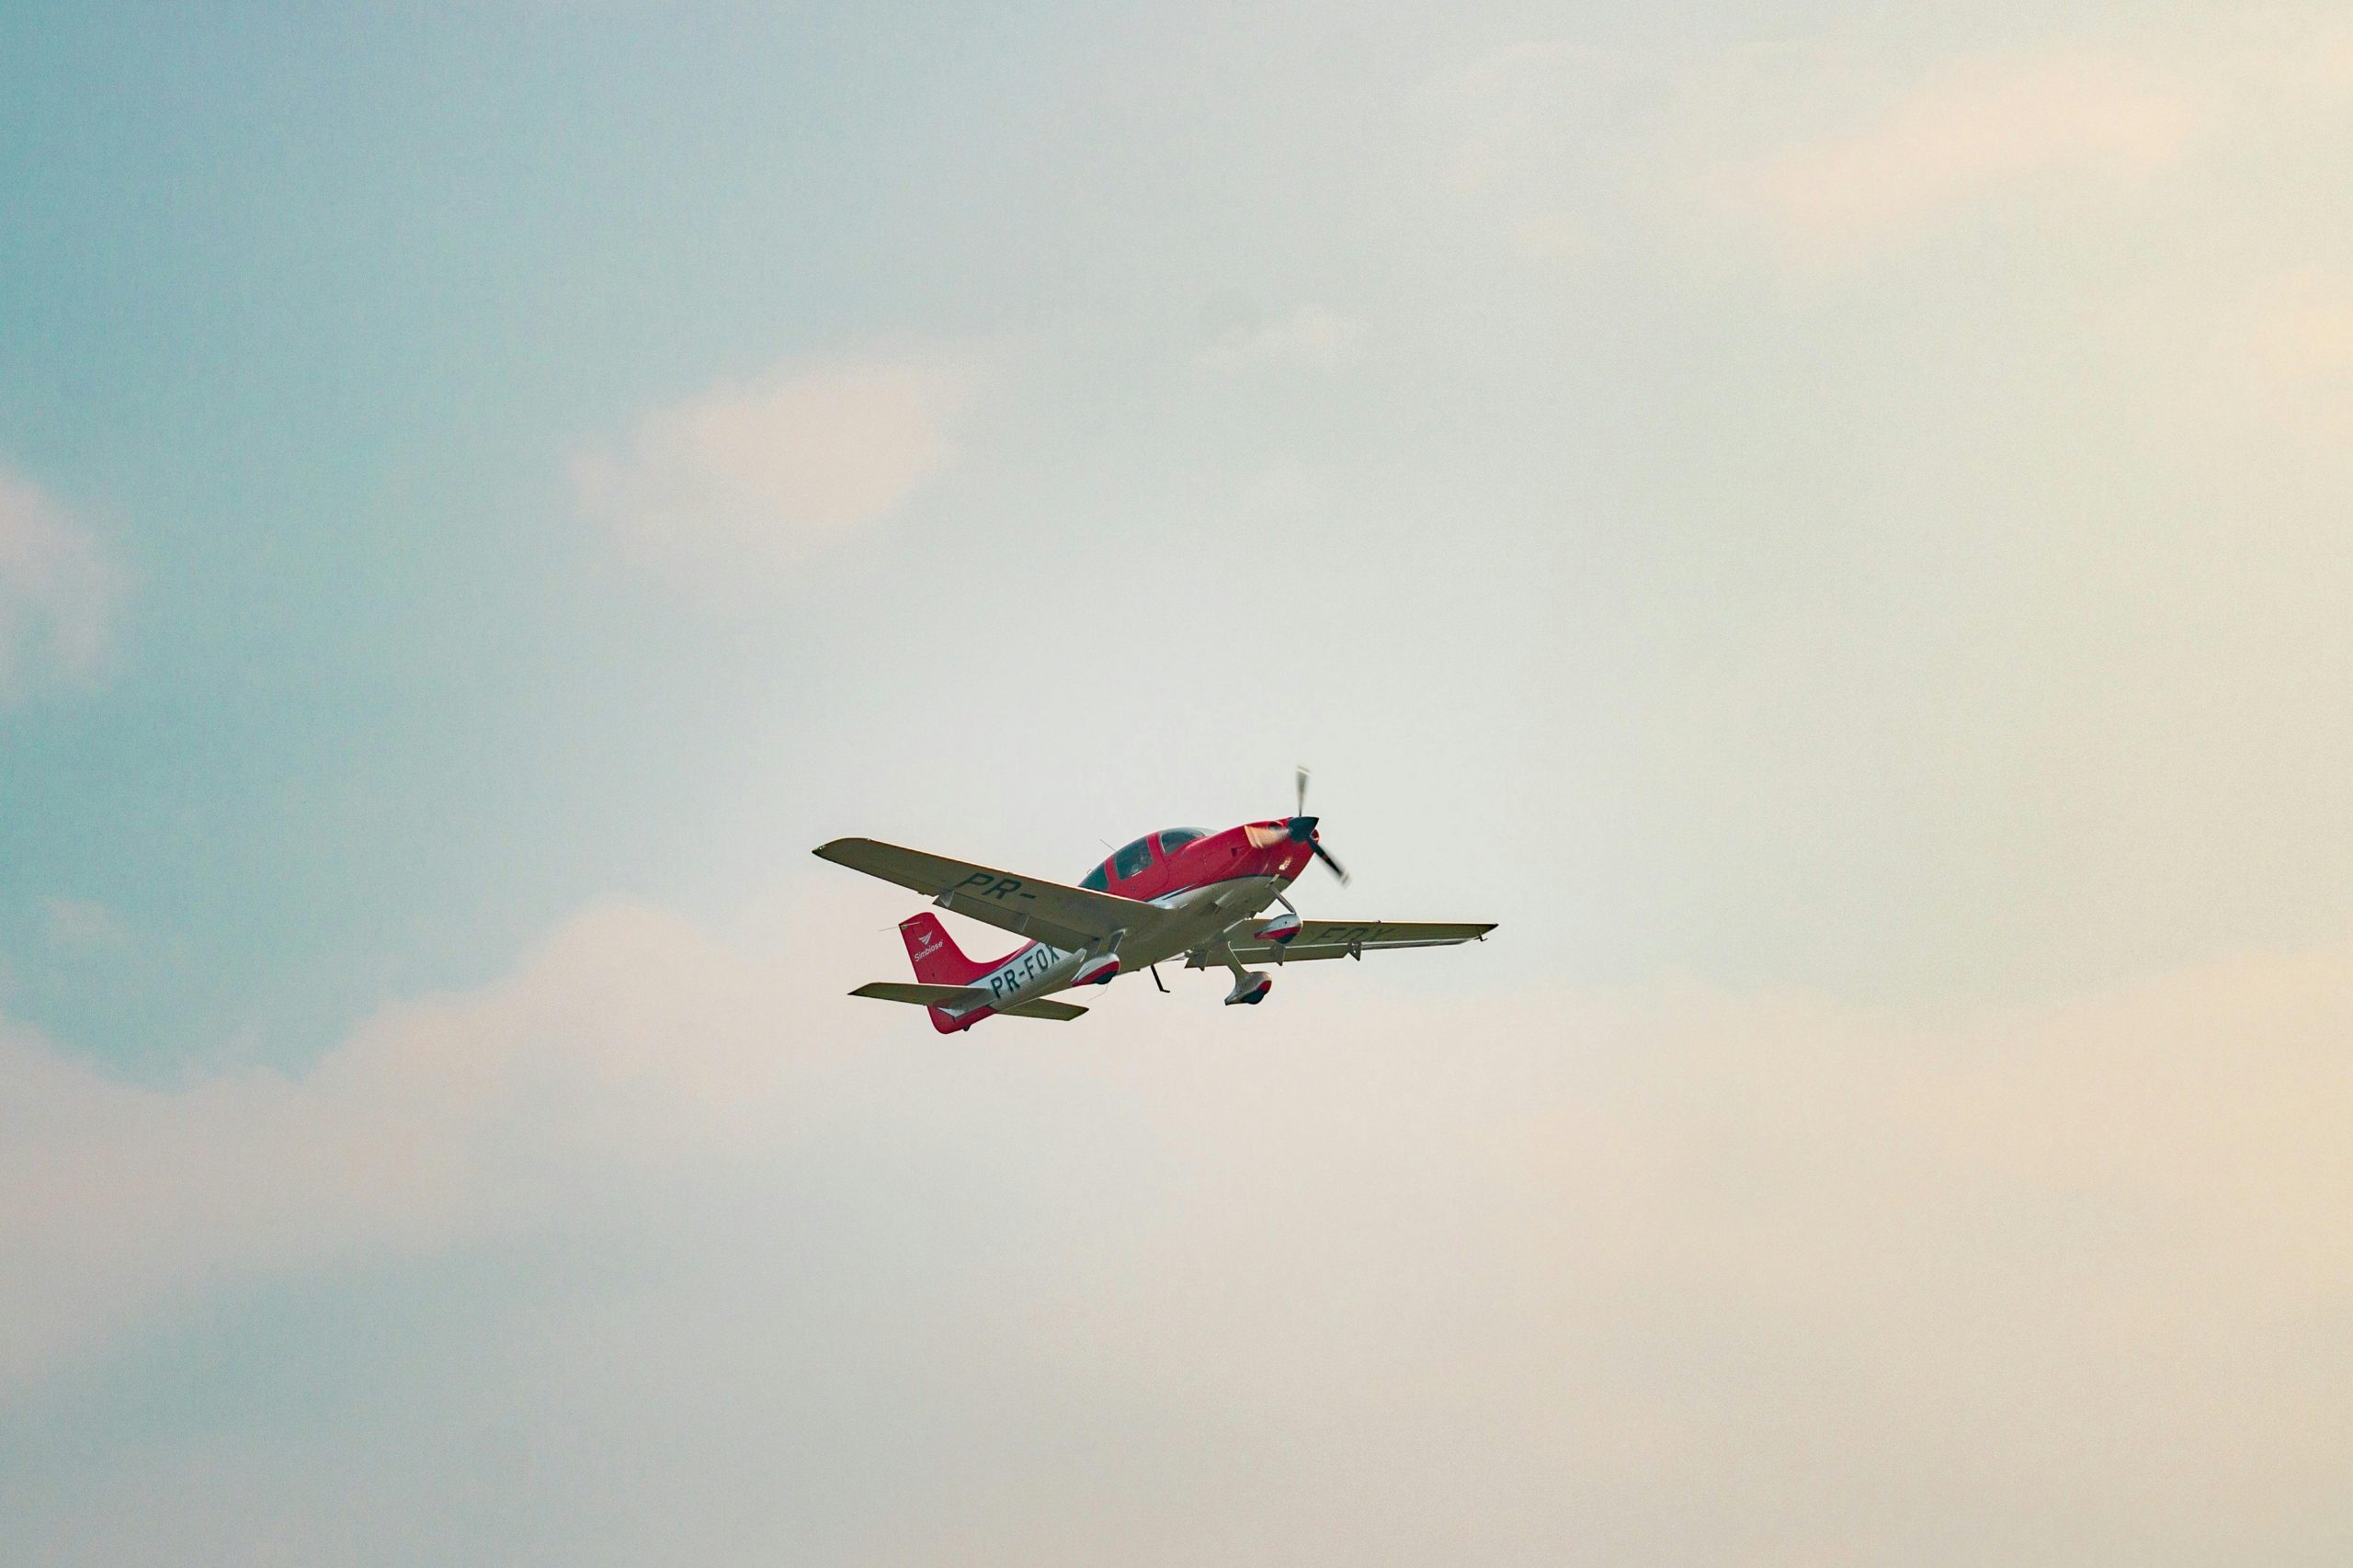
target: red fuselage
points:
(1226, 877)
(1176, 860)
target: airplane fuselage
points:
(1204, 913)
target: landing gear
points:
(1249, 988)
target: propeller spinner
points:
(1302, 830)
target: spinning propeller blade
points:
(1302, 828)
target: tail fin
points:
(938, 959)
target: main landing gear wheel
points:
(1249, 989)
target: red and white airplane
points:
(1179, 892)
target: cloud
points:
(1832, 155)
(755, 477)
(1547, 137)
(1666, 1275)
(436, 1121)
(58, 591)
(1512, 107)
(1970, 133)
(2287, 350)
(2306, 327)
(80, 923)
(1310, 337)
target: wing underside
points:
(1061, 916)
(1342, 939)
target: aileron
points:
(1341, 939)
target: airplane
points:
(1180, 892)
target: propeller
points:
(1302, 830)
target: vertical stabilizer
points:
(938, 959)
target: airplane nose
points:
(1302, 830)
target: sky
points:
(1825, 521)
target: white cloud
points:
(1685, 1275)
(1511, 106)
(2306, 327)
(80, 923)
(1547, 137)
(58, 591)
(752, 478)
(1969, 134)
(2287, 352)
(1834, 154)
(626, 1037)
(1312, 336)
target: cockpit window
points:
(1175, 838)
(1132, 860)
(1095, 880)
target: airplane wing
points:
(1341, 939)
(1063, 916)
(963, 998)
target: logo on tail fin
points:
(934, 955)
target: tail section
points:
(938, 959)
(971, 1007)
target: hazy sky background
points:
(1829, 522)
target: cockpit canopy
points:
(1132, 860)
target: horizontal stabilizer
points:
(963, 999)
(954, 997)
(1061, 1012)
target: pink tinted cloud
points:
(624, 1037)
(1972, 133)
(749, 479)
(1793, 1270)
